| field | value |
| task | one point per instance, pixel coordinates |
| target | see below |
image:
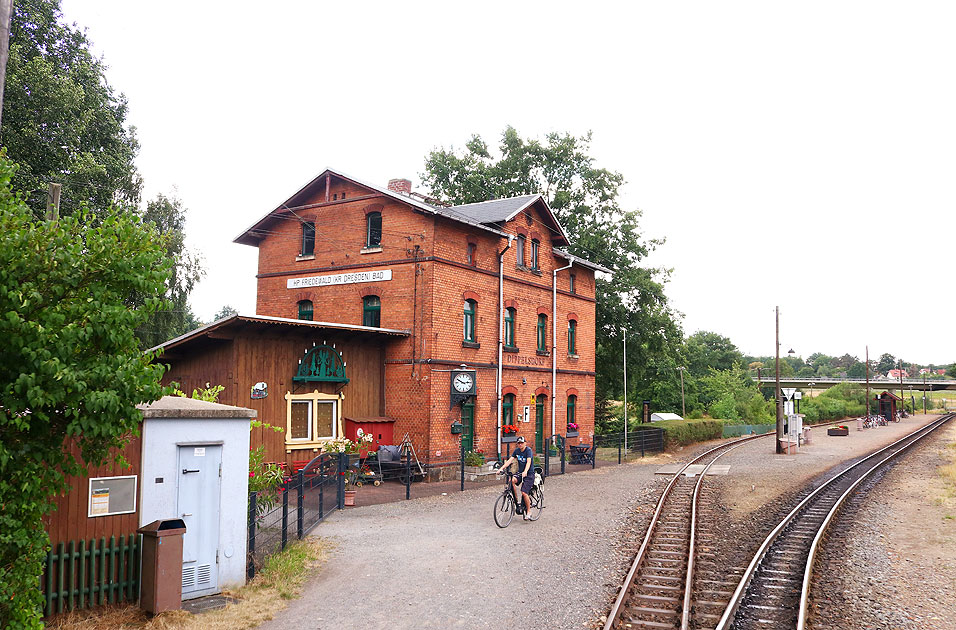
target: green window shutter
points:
(469, 328)
(543, 333)
(510, 327)
(572, 334)
(507, 409)
(372, 311)
(305, 310)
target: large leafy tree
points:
(71, 368)
(886, 363)
(705, 350)
(62, 122)
(585, 200)
(168, 217)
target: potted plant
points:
(348, 447)
(572, 429)
(509, 432)
(839, 430)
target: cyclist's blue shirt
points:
(523, 455)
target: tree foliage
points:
(70, 366)
(706, 350)
(62, 122)
(585, 201)
(168, 218)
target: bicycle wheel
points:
(537, 503)
(504, 509)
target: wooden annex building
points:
(380, 307)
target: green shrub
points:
(683, 432)
(474, 459)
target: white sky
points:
(800, 155)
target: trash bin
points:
(161, 585)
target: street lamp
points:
(811, 384)
(683, 410)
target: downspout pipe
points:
(554, 339)
(501, 335)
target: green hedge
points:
(684, 432)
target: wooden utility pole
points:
(779, 449)
(902, 400)
(52, 202)
(868, 382)
(6, 11)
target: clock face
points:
(463, 382)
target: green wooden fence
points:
(87, 575)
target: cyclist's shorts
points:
(527, 483)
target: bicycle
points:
(505, 507)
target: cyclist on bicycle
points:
(524, 478)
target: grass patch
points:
(281, 579)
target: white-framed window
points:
(312, 418)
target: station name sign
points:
(340, 278)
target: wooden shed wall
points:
(272, 357)
(70, 520)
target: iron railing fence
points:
(291, 511)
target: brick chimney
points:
(403, 186)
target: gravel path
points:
(441, 562)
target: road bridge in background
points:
(826, 383)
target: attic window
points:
(308, 238)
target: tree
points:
(168, 217)
(886, 363)
(584, 199)
(70, 366)
(709, 350)
(62, 122)
(224, 312)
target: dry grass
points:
(280, 580)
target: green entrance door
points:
(539, 424)
(468, 422)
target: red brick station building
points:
(383, 309)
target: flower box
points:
(838, 431)
(572, 434)
(507, 438)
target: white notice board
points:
(112, 495)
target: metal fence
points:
(294, 509)
(82, 575)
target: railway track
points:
(674, 557)
(773, 591)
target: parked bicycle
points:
(505, 506)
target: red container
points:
(382, 430)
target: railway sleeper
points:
(657, 612)
(647, 623)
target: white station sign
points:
(340, 278)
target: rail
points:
(736, 599)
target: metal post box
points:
(161, 585)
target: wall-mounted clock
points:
(463, 386)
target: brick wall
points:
(427, 298)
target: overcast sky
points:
(800, 155)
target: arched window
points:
(305, 310)
(371, 311)
(572, 337)
(508, 409)
(572, 415)
(510, 314)
(542, 333)
(471, 309)
(534, 253)
(373, 229)
(308, 238)
(519, 249)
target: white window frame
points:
(315, 398)
(310, 414)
